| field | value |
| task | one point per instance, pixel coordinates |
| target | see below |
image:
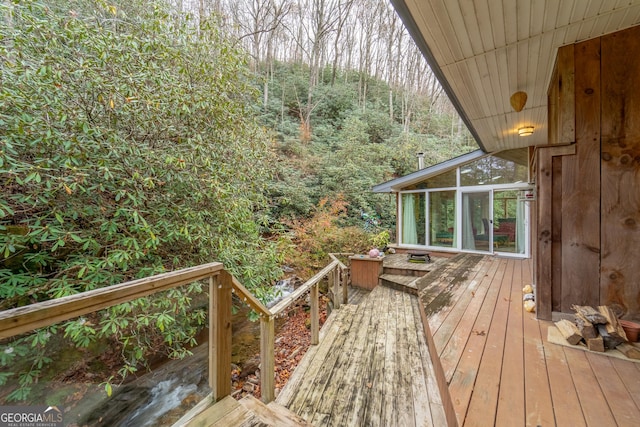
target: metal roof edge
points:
(394, 184)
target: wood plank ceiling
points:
(485, 50)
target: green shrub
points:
(128, 149)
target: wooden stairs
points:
(247, 412)
(400, 274)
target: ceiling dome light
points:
(524, 131)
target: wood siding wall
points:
(588, 216)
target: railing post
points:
(315, 317)
(336, 282)
(267, 358)
(345, 287)
(220, 335)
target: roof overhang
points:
(483, 51)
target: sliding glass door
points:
(509, 221)
(487, 221)
(476, 221)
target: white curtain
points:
(409, 231)
(468, 239)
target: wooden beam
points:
(25, 319)
(267, 359)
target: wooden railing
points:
(222, 285)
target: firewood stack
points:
(598, 329)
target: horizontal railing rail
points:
(19, 320)
(222, 285)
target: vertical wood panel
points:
(566, 95)
(581, 186)
(556, 233)
(543, 260)
(552, 107)
(620, 280)
(365, 271)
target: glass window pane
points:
(492, 170)
(442, 218)
(447, 179)
(508, 221)
(476, 231)
(413, 219)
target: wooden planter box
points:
(365, 271)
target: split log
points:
(590, 314)
(569, 331)
(610, 341)
(629, 350)
(595, 344)
(614, 328)
(586, 328)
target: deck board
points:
(512, 377)
(484, 400)
(620, 402)
(374, 400)
(373, 373)
(538, 402)
(422, 408)
(588, 390)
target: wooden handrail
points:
(24, 319)
(247, 297)
(278, 308)
(335, 258)
(19, 320)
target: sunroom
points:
(476, 203)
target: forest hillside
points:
(145, 136)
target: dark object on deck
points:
(418, 257)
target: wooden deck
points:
(372, 368)
(501, 370)
(482, 361)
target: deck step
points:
(400, 282)
(408, 269)
(248, 412)
(273, 414)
